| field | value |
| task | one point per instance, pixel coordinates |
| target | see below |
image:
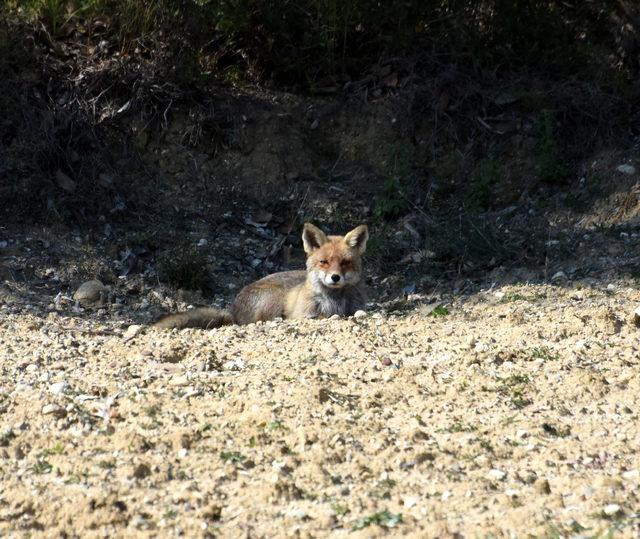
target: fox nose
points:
(335, 277)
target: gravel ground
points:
(513, 411)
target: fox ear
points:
(357, 238)
(312, 238)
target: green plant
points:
(439, 311)
(544, 353)
(234, 457)
(385, 519)
(41, 466)
(514, 387)
(391, 204)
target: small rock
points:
(631, 474)
(234, 365)
(54, 409)
(626, 169)
(132, 331)
(90, 293)
(179, 381)
(329, 349)
(59, 387)
(141, 471)
(496, 475)
(611, 509)
(636, 317)
(296, 512)
(410, 502)
(64, 182)
(386, 362)
(359, 314)
(559, 276)
(542, 486)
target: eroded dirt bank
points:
(514, 410)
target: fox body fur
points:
(332, 284)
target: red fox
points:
(332, 284)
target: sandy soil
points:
(511, 411)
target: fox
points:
(331, 284)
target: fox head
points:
(334, 261)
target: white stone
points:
(296, 512)
(496, 475)
(611, 509)
(410, 501)
(59, 387)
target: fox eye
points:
(324, 261)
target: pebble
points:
(410, 502)
(611, 509)
(141, 471)
(329, 349)
(234, 365)
(542, 486)
(59, 387)
(636, 317)
(54, 409)
(132, 331)
(496, 475)
(626, 169)
(296, 512)
(90, 293)
(359, 314)
(179, 381)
